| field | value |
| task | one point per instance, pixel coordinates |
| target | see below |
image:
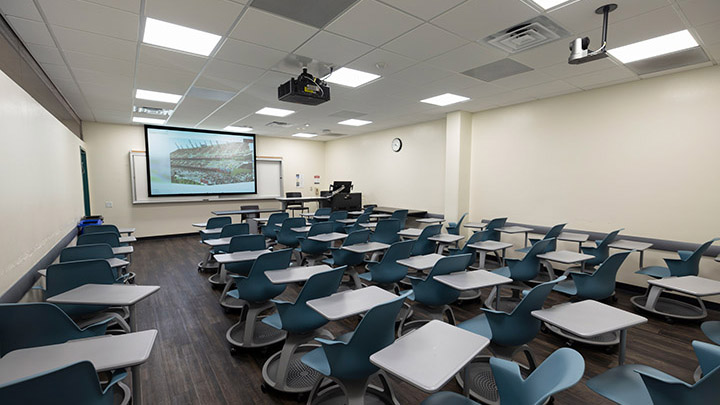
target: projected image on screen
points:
(186, 162)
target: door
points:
(86, 188)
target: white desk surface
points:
(565, 256)
(366, 247)
(200, 224)
(472, 280)
(346, 221)
(211, 231)
(380, 215)
(410, 232)
(261, 220)
(217, 242)
(490, 245)
(126, 230)
(479, 225)
(573, 237)
(302, 229)
(113, 261)
(244, 256)
(423, 262)
(322, 217)
(328, 237)
(356, 212)
(692, 285)
(108, 352)
(514, 229)
(588, 318)
(295, 274)
(630, 245)
(307, 214)
(351, 302)
(105, 294)
(446, 238)
(431, 355)
(369, 225)
(430, 220)
(127, 239)
(123, 250)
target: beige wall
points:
(641, 155)
(108, 150)
(41, 180)
(412, 178)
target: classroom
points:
(360, 202)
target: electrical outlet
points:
(108, 204)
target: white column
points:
(458, 138)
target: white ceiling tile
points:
(467, 57)
(91, 17)
(132, 6)
(100, 64)
(193, 110)
(425, 42)
(580, 16)
(483, 91)
(645, 26)
(564, 70)
(45, 54)
(545, 55)
(477, 19)
(507, 98)
(521, 80)
(420, 74)
(425, 9)
(249, 54)
(328, 47)
(94, 77)
(109, 97)
(265, 89)
(20, 8)
(457, 84)
(380, 89)
(31, 32)
(709, 33)
(214, 16)
(228, 76)
(701, 12)
(381, 62)
(233, 111)
(273, 31)
(548, 89)
(74, 40)
(714, 50)
(373, 23)
(112, 116)
(155, 78)
(478, 105)
(165, 58)
(595, 79)
(56, 72)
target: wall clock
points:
(396, 145)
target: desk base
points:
(354, 392)
(250, 331)
(668, 307)
(481, 381)
(216, 280)
(299, 379)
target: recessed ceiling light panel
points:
(350, 77)
(274, 112)
(143, 120)
(354, 122)
(231, 128)
(548, 4)
(657, 46)
(304, 135)
(445, 99)
(157, 96)
(179, 38)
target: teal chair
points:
(509, 333)
(346, 360)
(110, 238)
(453, 228)
(553, 233)
(466, 249)
(362, 219)
(40, 324)
(102, 228)
(687, 265)
(711, 329)
(560, 371)
(342, 257)
(400, 215)
(598, 285)
(338, 227)
(228, 231)
(369, 209)
(422, 245)
(602, 249)
(387, 272)
(635, 384)
(269, 230)
(254, 293)
(72, 384)
(215, 223)
(386, 231)
(320, 212)
(433, 296)
(93, 251)
(312, 251)
(493, 225)
(302, 324)
(242, 243)
(286, 236)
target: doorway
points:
(86, 186)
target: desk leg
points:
(439, 249)
(579, 247)
(642, 253)
(466, 380)
(549, 268)
(135, 370)
(497, 299)
(526, 239)
(502, 258)
(623, 342)
(481, 259)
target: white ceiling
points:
(91, 51)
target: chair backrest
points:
(86, 252)
(493, 225)
(323, 211)
(553, 233)
(320, 228)
(363, 218)
(335, 215)
(277, 218)
(356, 237)
(249, 207)
(292, 194)
(369, 209)
(75, 383)
(475, 238)
(300, 318)
(375, 332)
(423, 246)
(400, 215)
(519, 326)
(286, 236)
(386, 231)
(460, 221)
(295, 204)
(38, 324)
(313, 247)
(109, 238)
(101, 228)
(256, 287)
(434, 293)
(231, 230)
(527, 268)
(609, 238)
(244, 243)
(691, 265)
(218, 222)
(601, 283)
(389, 270)
(63, 277)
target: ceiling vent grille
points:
(530, 34)
(278, 124)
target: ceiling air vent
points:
(152, 110)
(530, 34)
(278, 124)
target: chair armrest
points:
(237, 277)
(415, 278)
(280, 302)
(327, 342)
(117, 375)
(508, 372)
(661, 376)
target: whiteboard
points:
(269, 183)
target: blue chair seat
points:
(655, 271)
(524, 250)
(329, 261)
(273, 320)
(478, 325)
(447, 398)
(503, 271)
(318, 361)
(566, 287)
(623, 385)
(711, 329)
(366, 276)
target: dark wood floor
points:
(191, 361)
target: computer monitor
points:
(339, 184)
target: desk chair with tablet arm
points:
(422, 245)
(400, 215)
(241, 243)
(312, 251)
(453, 228)
(270, 230)
(553, 233)
(386, 231)
(338, 227)
(602, 249)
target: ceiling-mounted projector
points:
(579, 48)
(306, 89)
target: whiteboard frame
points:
(202, 198)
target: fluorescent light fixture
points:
(350, 77)
(657, 46)
(157, 96)
(177, 37)
(154, 121)
(445, 99)
(275, 112)
(304, 135)
(355, 123)
(548, 4)
(237, 129)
